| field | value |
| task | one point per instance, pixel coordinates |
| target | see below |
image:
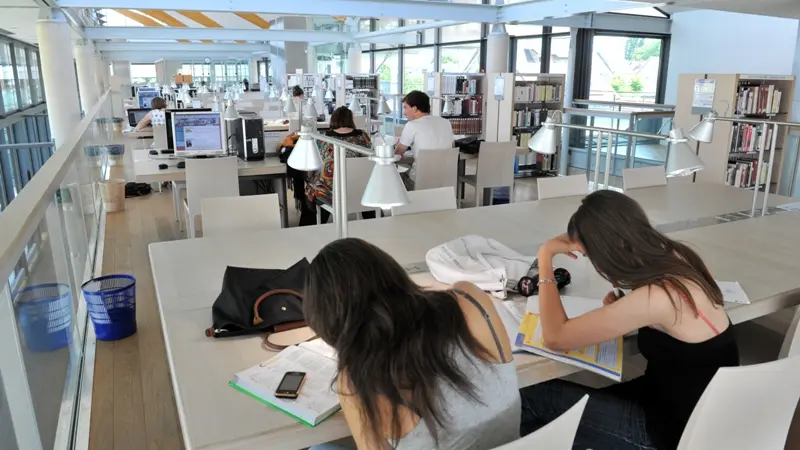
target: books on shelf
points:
(747, 138)
(537, 93)
(316, 402)
(529, 117)
(758, 99)
(745, 173)
(459, 84)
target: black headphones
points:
(529, 286)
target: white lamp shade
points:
(283, 96)
(288, 106)
(231, 113)
(385, 188)
(703, 131)
(305, 156)
(329, 95)
(309, 110)
(545, 141)
(383, 107)
(448, 107)
(682, 160)
(355, 106)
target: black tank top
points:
(677, 374)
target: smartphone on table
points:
(290, 385)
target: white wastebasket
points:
(113, 194)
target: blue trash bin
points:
(44, 312)
(111, 302)
(500, 195)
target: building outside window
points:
(9, 87)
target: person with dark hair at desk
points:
(246, 85)
(319, 186)
(158, 103)
(297, 93)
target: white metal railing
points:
(49, 236)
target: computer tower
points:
(247, 137)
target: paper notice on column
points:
(603, 359)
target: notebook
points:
(316, 402)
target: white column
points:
(569, 83)
(85, 65)
(101, 74)
(790, 172)
(354, 58)
(497, 49)
(55, 51)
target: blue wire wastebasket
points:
(44, 312)
(111, 302)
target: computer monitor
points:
(198, 134)
(168, 120)
(135, 115)
(145, 96)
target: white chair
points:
(177, 187)
(436, 169)
(745, 407)
(495, 169)
(642, 177)
(556, 435)
(208, 178)
(360, 122)
(568, 186)
(428, 200)
(358, 172)
(226, 215)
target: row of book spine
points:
(747, 138)
(760, 99)
(537, 93)
(529, 117)
(745, 173)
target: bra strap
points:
(488, 319)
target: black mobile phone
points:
(290, 385)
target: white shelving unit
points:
(466, 93)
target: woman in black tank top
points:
(670, 287)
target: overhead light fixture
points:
(305, 154)
(545, 141)
(383, 107)
(681, 160)
(355, 106)
(385, 188)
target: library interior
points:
(507, 174)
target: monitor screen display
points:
(197, 132)
(136, 115)
(146, 97)
(168, 116)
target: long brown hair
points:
(396, 343)
(627, 251)
(342, 117)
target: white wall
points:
(722, 42)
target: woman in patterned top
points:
(320, 184)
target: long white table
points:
(188, 276)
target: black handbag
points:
(254, 301)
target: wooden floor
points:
(133, 407)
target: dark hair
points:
(419, 100)
(627, 251)
(395, 342)
(342, 117)
(158, 103)
(297, 91)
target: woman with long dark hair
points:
(417, 369)
(674, 304)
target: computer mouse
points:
(182, 165)
(153, 152)
(162, 166)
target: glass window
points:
(559, 54)
(560, 30)
(524, 30)
(387, 65)
(366, 62)
(464, 32)
(143, 73)
(7, 78)
(625, 68)
(364, 25)
(529, 56)
(462, 58)
(428, 36)
(386, 24)
(416, 61)
(36, 79)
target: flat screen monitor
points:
(145, 96)
(135, 115)
(197, 133)
(168, 119)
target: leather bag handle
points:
(257, 320)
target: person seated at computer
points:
(319, 186)
(158, 103)
(246, 85)
(422, 132)
(417, 369)
(674, 304)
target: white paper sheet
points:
(789, 206)
(573, 306)
(732, 292)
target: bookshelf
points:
(465, 93)
(732, 156)
(517, 106)
(307, 81)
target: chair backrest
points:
(436, 168)
(428, 200)
(398, 130)
(209, 178)
(568, 186)
(361, 122)
(225, 215)
(358, 173)
(496, 164)
(556, 435)
(724, 417)
(642, 177)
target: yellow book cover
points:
(604, 359)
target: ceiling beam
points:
(152, 56)
(550, 9)
(406, 29)
(359, 8)
(230, 34)
(178, 47)
(613, 22)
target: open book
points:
(316, 402)
(604, 359)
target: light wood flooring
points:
(133, 407)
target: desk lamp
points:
(355, 106)
(305, 154)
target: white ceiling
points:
(776, 8)
(19, 17)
